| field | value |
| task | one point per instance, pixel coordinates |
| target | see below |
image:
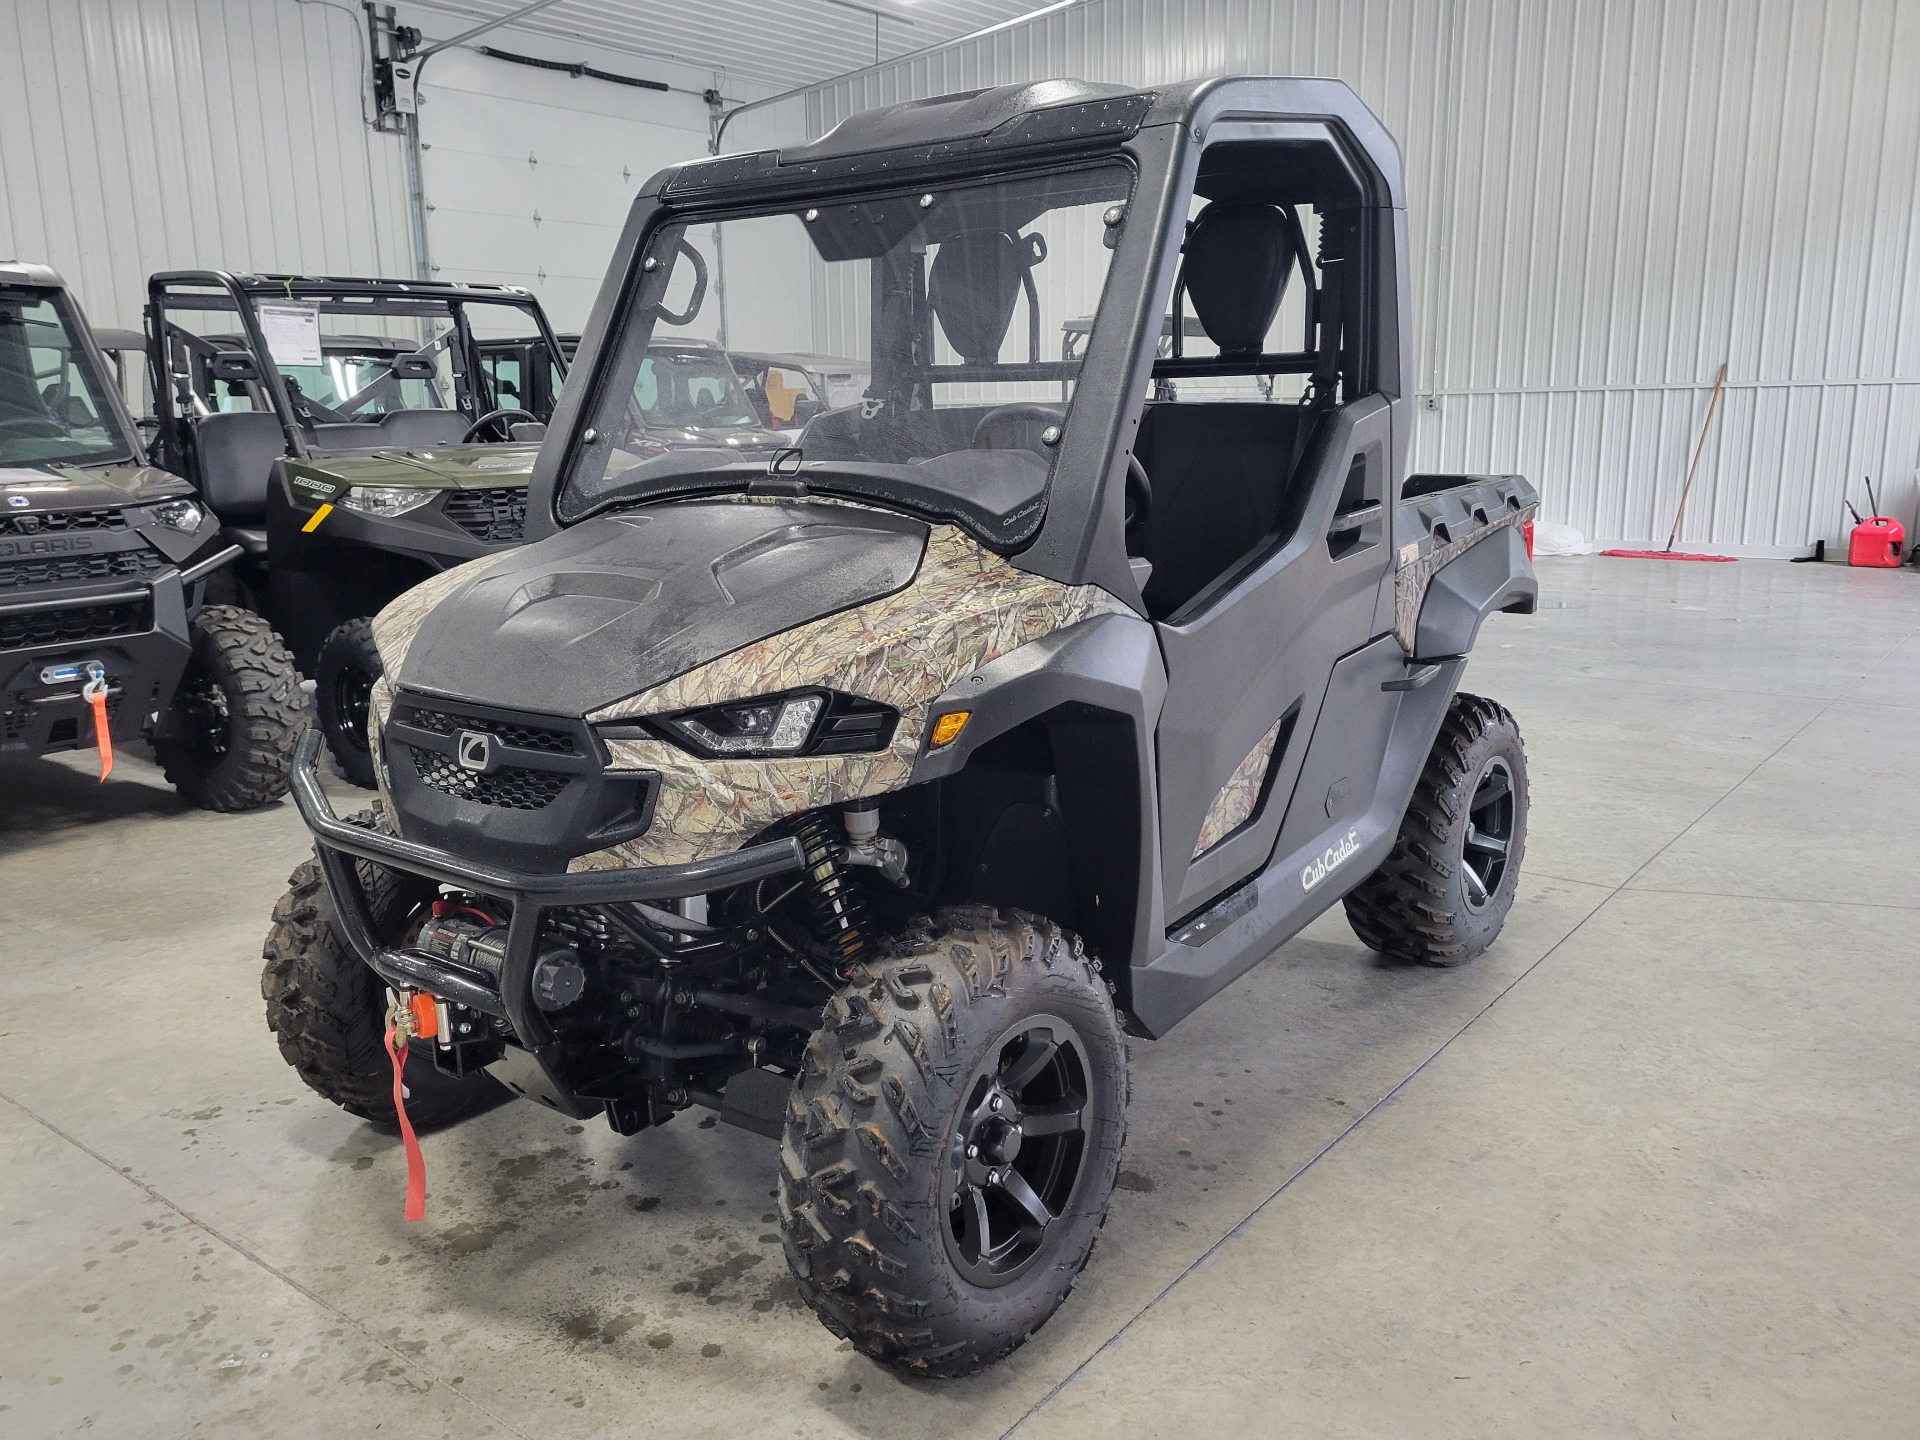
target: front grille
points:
(495, 516)
(62, 520)
(75, 568)
(520, 737)
(73, 626)
(509, 787)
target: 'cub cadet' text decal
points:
(1331, 859)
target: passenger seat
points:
(236, 450)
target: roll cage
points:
(177, 356)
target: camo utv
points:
(869, 794)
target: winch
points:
(468, 938)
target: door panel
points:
(1262, 644)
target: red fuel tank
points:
(1877, 542)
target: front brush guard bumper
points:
(509, 995)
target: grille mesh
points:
(509, 787)
(65, 627)
(75, 568)
(58, 520)
(520, 737)
(490, 515)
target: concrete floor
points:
(1647, 1167)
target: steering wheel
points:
(33, 425)
(1032, 416)
(1139, 493)
(495, 418)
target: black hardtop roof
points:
(1047, 118)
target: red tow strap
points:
(95, 692)
(416, 1162)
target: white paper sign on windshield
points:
(292, 331)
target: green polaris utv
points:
(352, 442)
(870, 792)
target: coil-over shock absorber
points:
(841, 919)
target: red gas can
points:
(1877, 542)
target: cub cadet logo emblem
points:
(476, 751)
(1330, 860)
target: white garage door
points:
(529, 173)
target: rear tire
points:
(343, 690)
(1443, 894)
(878, 1189)
(236, 713)
(329, 1010)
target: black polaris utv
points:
(105, 630)
(352, 443)
(869, 794)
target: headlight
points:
(806, 722)
(386, 499)
(182, 515)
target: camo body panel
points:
(965, 607)
(396, 625)
(379, 707)
(1235, 803)
(1411, 579)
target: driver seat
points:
(1221, 470)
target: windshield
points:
(948, 305)
(53, 408)
(341, 376)
(690, 388)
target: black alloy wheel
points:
(1017, 1156)
(1489, 836)
(352, 701)
(226, 741)
(344, 677)
(1442, 895)
(205, 724)
(952, 1140)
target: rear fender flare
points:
(1493, 574)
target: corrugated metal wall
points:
(138, 135)
(1608, 199)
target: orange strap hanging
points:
(416, 1162)
(95, 693)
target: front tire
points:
(1443, 894)
(328, 1009)
(952, 1142)
(343, 693)
(237, 711)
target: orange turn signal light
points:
(947, 728)
(426, 1016)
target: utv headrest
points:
(1238, 258)
(974, 285)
